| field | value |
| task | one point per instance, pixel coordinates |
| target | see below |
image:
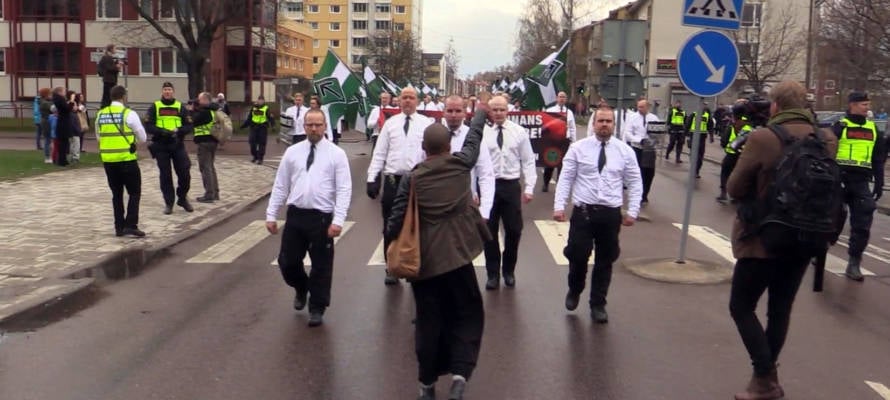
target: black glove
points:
(878, 192)
(373, 189)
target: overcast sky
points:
(484, 31)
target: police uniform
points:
(259, 123)
(705, 127)
(168, 123)
(861, 155)
(118, 129)
(731, 157)
(204, 118)
(677, 120)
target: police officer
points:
(739, 128)
(861, 155)
(705, 129)
(677, 130)
(118, 129)
(259, 122)
(168, 122)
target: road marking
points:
(378, 260)
(233, 246)
(306, 261)
(714, 240)
(838, 266)
(882, 390)
(556, 235)
(876, 252)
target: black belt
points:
(592, 208)
(506, 180)
(297, 210)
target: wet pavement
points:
(199, 324)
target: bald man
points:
(560, 107)
(511, 157)
(395, 154)
(637, 136)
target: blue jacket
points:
(36, 110)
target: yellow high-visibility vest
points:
(115, 136)
(167, 117)
(856, 144)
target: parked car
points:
(826, 119)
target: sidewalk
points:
(59, 225)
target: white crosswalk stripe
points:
(377, 259)
(233, 246)
(872, 251)
(882, 390)
(306, 261)
(556, 235)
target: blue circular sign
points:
(708, 63)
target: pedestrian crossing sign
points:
(717, 14)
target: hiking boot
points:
(853, 271)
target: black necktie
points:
(298, 112)
(601, 163)
(311, 157)
(407, 121)
(500, 136)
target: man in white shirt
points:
(427, 104)
(395, 154)
(376, 118)
(512, 157)
(294, 114)
(315, 104)
(560, 107)
(440, 105)
(595, 171)
(313, 180)
(637, 136)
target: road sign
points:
(632, 87)
(708, 63)
(719, 14)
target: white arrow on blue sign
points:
(708, 63)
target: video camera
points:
(123, 60)
(756, 109)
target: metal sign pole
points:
(622, 55)
(690, 183)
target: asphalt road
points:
(207, 324)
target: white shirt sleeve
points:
(566, 179)
(527, 164)
(328, 133)
(281, 188)
(378, 159)
(570, 125)
(373, 117)
(344, 188)
(485, 175)
(135, 125)
(634, 182)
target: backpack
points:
(804, 199)
(222, 126)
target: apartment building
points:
(58, 43)
(294, 49)
(346, 26)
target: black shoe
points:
(168, 209)
(184, 203)
(509, 280)
(644, 201)
(133, 232)
(853, 272)
(457, 389)
(427, 393)
(572, 300)
(315, 318)
(390, 280)
(679, 161)
(493, 283)
(722, 198)
(204, 199)
(300, 300)
(259, 162)
(216, 197)
(118, 232)
(599, 315)
(697, 176)
(253, 161)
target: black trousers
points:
(701, 151)
(257, 141)
(390, 189)
(106, 93)
(648, 174)
(592, 226)
(862, 207)
(507, 207)
(121, 176)
(175, 159)
(307, 231)
(678, 137)
(753, 276)
(450, 321)
(548, 174)
(64, 149)
(726, 167)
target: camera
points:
(756, 109)
(739, 141)
(123, 60)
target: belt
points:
(294, 209)
(591, 208)
(506, 180)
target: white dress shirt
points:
(374, 117)
(296, 115)
(326, 186)
(635, 127)
(516, 157)
(133, 121)
(440, 106)
(581, 177)
(570, 120)
(396, 152)
(428, 106)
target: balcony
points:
(293, 15)
(383, 16)
(360, 15)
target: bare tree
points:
(452, 59)
(395, 54)
(855, 37)
(770, 48)
(538, 34)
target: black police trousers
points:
(170, 160)
(858, 197)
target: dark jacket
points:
(65, 126)
(248, 121)
(878, 156)
(452, 232)
(756, 169)
(165, 139)
(108, 69)
(201, 116)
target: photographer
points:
(109, 67)
(732, 146)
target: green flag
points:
(545, 80)
(390, 86)
(374, 86)
(337, 86)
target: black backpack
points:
(804, 198)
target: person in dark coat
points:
(65, 126)
(109, 68)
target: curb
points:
(120, 264)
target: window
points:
(335, 26)
(278, 63)
(400, 9)
(399, 26)
(359, 42)
(2, 60)
(383, 25)
(335, 9)
(381, 42)
(360, 25)
(236, 63)
(45, 10)
(168, 9)
(315, 44)
(313, 25)
(814, 84)
(381, 8)
(146, 62)
(171, 63)
(827, 101)
(294, 7)
(751, 14)
(315, 60)
(300, 65)
(829, 84)
(302, 44)
(108, 9)
(313, 9)
(747, 52)
(356, 58)
(359, 7)
(335, 43)
(146, 6)
(50, 59)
